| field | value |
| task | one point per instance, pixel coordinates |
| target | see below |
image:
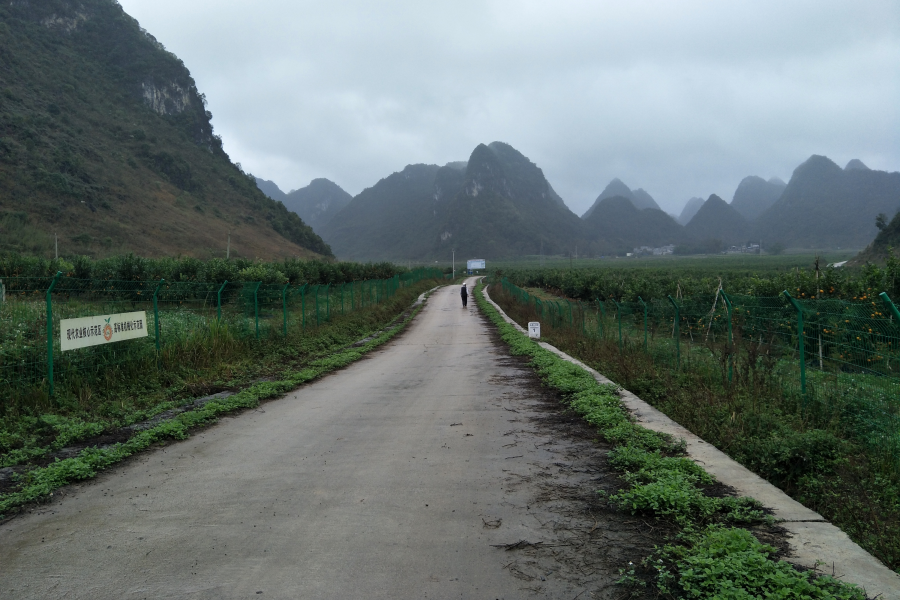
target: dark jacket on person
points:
(463, 292)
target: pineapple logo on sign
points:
(107, 330)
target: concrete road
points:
(389, 479)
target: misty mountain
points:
(617, 226)
(642, 199)
(270, 189)
(718, 220)
(824, 206)
(638, 197)
(856, 164)
(754, 195)
(499, 205)
(690, 209)
(318, 202)
(106, 140)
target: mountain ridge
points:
(105, 140)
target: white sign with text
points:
(534, 329)
(102, 329)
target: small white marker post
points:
(534, 330)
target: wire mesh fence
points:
(840, 358)
(63, 329)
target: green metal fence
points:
(31, 311)
(842, 359)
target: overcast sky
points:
(680, 98)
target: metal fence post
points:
(156, 312)
(351, 295)
(644, 304)
(581, 308)
(677, 331)
(887, 301)
(619, 319)
(284, 306)
(219, 302)
(317, 305)
(303, 304)
(600, 311)
(342, 297)
(731, 348)
(50, 330)
(256, 306)
(800, 336)
(327, 305)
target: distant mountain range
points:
(316, 204)
(826, 206)
(499, 204)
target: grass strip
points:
(39, 483)
(712, 556)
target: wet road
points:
(388, 479)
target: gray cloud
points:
(681, 98)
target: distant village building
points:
(648, 251)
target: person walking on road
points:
(464, 294)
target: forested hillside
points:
(106, 141)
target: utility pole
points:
(453, 251)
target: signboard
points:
(475, 263)
(534, 329)
(102, 329)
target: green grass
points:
(712, 556)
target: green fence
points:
(31, 311)
(831, 353)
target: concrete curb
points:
(813, 539)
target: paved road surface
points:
(389, 479)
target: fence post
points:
(802, 348)
(219, 302)
(351, 295)
(256, 306)
(156, 312)
(644, 304)
(887, 301)
(731, 349)
(677, 332)
(284, 306)
(303, 305)
(50, 331)
(342, 297)
(581, 308)
(327, 305)
(571, 318)
(317, 305)
(619, 319)
(600, 311)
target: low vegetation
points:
(806, 276)
(714, 555)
